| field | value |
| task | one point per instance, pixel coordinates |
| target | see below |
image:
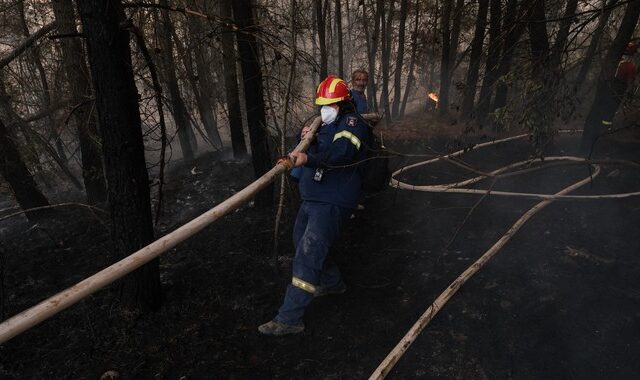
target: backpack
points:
(375, 171)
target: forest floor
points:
(560, 300)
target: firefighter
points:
(329, 187)
(600, 120)
(623, 79)
(359, 79)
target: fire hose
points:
(55, 304)
(396, 353)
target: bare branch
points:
(7, 58)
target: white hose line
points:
(55, 304)
(455, 187)
(392, 358)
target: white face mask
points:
(328, 114)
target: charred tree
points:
(559, 45)
(490, 73)
(412, 62)
(474, 61)
(231, 83)
(538, 39)
(202, 83)
(339, 38)
(432, 56)
(455, 35)
(15, 172)
(33, 139)
(385, 23)
(179, 110)
(189, 55)
(45, 96)
(540, 105)
(322, 39)
(397, 84)
(253, 91)
(372, 48)
(445, 61)
(127, 178)
(77, 75)
(513, 29)
(593, 44)
(606, 92)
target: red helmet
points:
(631, 49)
(332, 90)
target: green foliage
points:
(535, 110)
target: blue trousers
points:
(317, 227)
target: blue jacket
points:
(341, 143)
(360, 101)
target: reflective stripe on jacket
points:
(337, 150)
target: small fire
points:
(433, 96)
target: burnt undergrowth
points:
(560, 300)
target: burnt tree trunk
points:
(471, 81)
(593, 44)
(560, 44)
(78, 78)
(432, 55)
(339, 38)
(412, 62)
(455, 35)
(445, 35)
(538, 40)
(513, 29)
(203, 83)
(385, 23)
(605, 90)
(372, 49)
(540, 103)
(195, 54)
(45, 95)
(453, 48)
(252, 74)
(118, 113)
(33, 138)
(490, 72)
(179, 110)
(322, 39)
(397, 84)
(15, 172)
(231, 84)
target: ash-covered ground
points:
(560, 300)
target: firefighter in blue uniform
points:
(329, 187)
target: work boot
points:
(336, 289)
(276, 328)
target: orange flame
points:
(433, 96)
